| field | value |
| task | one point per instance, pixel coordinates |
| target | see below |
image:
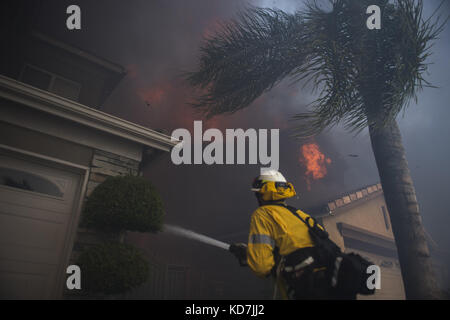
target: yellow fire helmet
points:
(273, 186)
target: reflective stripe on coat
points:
(274, 226)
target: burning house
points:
(55, 148)
(359, 222)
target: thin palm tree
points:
(362, 78)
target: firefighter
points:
(279, 243)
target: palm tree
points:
(363, 78)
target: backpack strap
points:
(293, 210)
(319, 235)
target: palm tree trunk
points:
(399, 193)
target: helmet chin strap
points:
(262, 202)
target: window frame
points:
(53, 76)
(60, 197)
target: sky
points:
(157, 40)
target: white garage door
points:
(36, 210)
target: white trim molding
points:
(55, 105)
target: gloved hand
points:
(240, 252)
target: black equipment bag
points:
(346, 273)
(305, 275)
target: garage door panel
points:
(37, 204)
(28, 213)
(25, 254)
(24, 235)
(13, 282)
(29, 199)
(34, 178)
(35, 278)
(16, 195)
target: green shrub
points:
(124, 203)
(112, 268)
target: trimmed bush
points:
(112, 268)
(124, 203)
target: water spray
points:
(196, 236)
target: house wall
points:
(103, 165)
(367, 214)
(38, 122)
(96, 81)
(30, 140)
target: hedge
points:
(112, 268)
(124, 203)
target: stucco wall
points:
(367, 214)
(30, 140)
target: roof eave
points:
(58, 106)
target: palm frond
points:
(357, 73)
(363, 72)
(247, 57)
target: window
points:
(385, 217)
(27, 181)
(51, 82)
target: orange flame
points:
(315, 163)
